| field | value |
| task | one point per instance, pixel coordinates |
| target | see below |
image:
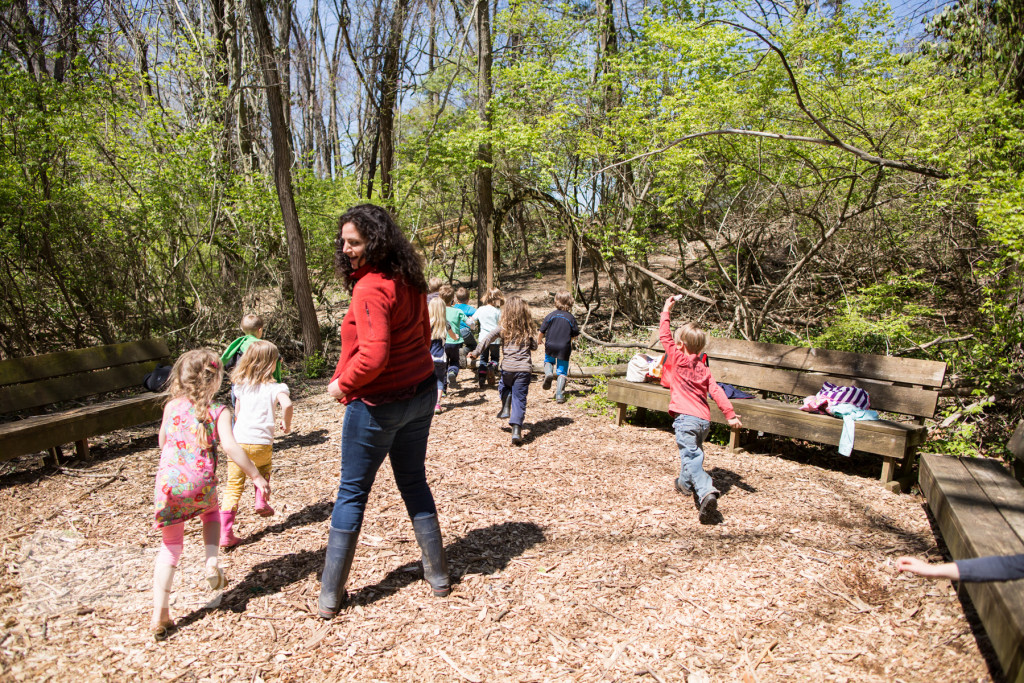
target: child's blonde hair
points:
(251, 324)
(438, 322)
(517, 325)
(462, 294)
(197, 376)
(692, 336)
(434, 284)
(563, 300)
(257, 364)
(494, 297)
(446, 292)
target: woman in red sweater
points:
(385, 378)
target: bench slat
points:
(926, 373)
(71, 387)
(972, 527)
(38, 433)
(894, 399)
(18, 370)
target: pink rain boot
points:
(263, 508)
(227, 533)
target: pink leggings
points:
(174, 537)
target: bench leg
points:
(620, 414)
(889, 466)
(82, 449)
(54, 456)
(734, 440)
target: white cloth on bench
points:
(851, 414)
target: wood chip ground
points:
(575, 560)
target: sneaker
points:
(453, 379)
(437, 409)
(708, 508)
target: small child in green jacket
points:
(252, 325)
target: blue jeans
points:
(371, 433)
(518, 384)
(690, 434)
(561, 366)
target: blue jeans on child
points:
(398, 430)
(690, 434)
(561, 366)
(518, 384)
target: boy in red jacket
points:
(689, 382)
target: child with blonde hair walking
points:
(439, 331)
(255, 393)
(488, 317)
(689, 382)
(186, 480)
(518, 334)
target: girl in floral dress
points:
(186, 480)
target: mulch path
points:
(574, 559)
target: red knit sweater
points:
(385, 339)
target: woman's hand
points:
(335, 391)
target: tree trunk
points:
(388, 98)
(484, 181)
(283, 179)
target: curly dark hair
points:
(386, 247)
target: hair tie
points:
(215, 364)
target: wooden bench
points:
(896, 385)
(49, 381)
(979, 508)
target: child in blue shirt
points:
(557, 332)
(452, 345)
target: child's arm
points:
(665, 328)
(946, 570)
(286, 411)
(237, 455)
(482, 344)
(162, 438)
(724, 404)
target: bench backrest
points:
(897, 385)
(50, 378)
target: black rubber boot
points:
(560, 389)
(506, 407)
(549, 374)
(517, 434)
(435, 562)
(481, 376)
(341, 548)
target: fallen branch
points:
(592, 371)
(693, 295)
(933, 342)
(610, 345)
